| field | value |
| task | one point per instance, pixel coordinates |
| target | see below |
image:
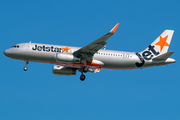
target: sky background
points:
(140, 94)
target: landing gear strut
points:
(84, 69)
(25, 68)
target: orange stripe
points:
(94, 64)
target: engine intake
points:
(66, 58)
(65, 71)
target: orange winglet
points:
(114, 28)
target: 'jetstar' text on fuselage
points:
(47, 49)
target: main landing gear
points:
(85, 70)
(82, 77)
(26, 68)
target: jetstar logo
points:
(50, 49)
(66, 49)
(162, 42)
(148, 55)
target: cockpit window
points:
(15, 46)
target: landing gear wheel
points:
(82, 77)
(25, 68)
(85, 69)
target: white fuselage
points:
(46, 53)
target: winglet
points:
(114, 28)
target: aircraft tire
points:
(25, 68)
(85, 69)
(82, 77)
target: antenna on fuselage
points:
(29, 41)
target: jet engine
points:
(65, 71)
(66, 58)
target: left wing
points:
(89, 50)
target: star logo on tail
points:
(162, 42)
(65, 49)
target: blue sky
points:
(141, 94)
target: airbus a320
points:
(91, 58)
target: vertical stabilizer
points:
(161, 43)
(157, 49)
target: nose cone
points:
(7, 52)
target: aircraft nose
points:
(7, 52)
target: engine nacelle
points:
(61, 70)
(66, 58)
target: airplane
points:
(91, 58)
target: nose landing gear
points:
(26, 68)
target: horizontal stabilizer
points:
(164, 56)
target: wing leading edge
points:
(89, 50)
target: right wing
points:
(89, 50)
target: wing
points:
(89, 50)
